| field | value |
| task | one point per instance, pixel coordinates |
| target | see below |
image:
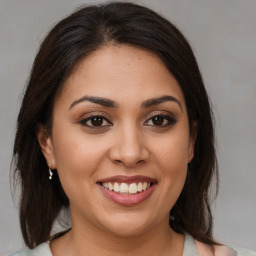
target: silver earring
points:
(50, 174)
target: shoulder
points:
(222, 250)
(40, 250)
(244, 252)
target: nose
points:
(129, 147)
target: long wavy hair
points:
(72, 39)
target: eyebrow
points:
(112, 104)
(97, 100)
(157, 101)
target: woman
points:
(116, 126)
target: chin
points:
(128, 225)
(128, 231)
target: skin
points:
(129, 142)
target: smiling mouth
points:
(127, 191)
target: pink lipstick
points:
(127, 190)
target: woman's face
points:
(120, 141)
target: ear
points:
(45, 142)
(192, 141)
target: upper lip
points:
(128, 179)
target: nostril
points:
(122, 162)
(140, 161)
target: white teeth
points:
(110, 186)
(133, 188)
(139, 188)
(116, 187)
(125, 188)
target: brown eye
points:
(161, 121)
(96, 121)
(157, 120)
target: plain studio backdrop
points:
(223, 36)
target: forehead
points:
(122, 73)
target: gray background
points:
(223, 36)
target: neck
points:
(88, 240)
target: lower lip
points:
(128, 200)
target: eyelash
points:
(167, 119)
(91, 117)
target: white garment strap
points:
(189, 246)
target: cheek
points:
(172, 161)
(173, 167)
(76, 150)
(77, 159)
(172, 151)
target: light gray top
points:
(41, 250)
(189, 246)
(190, 249)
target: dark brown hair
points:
(72, 39)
